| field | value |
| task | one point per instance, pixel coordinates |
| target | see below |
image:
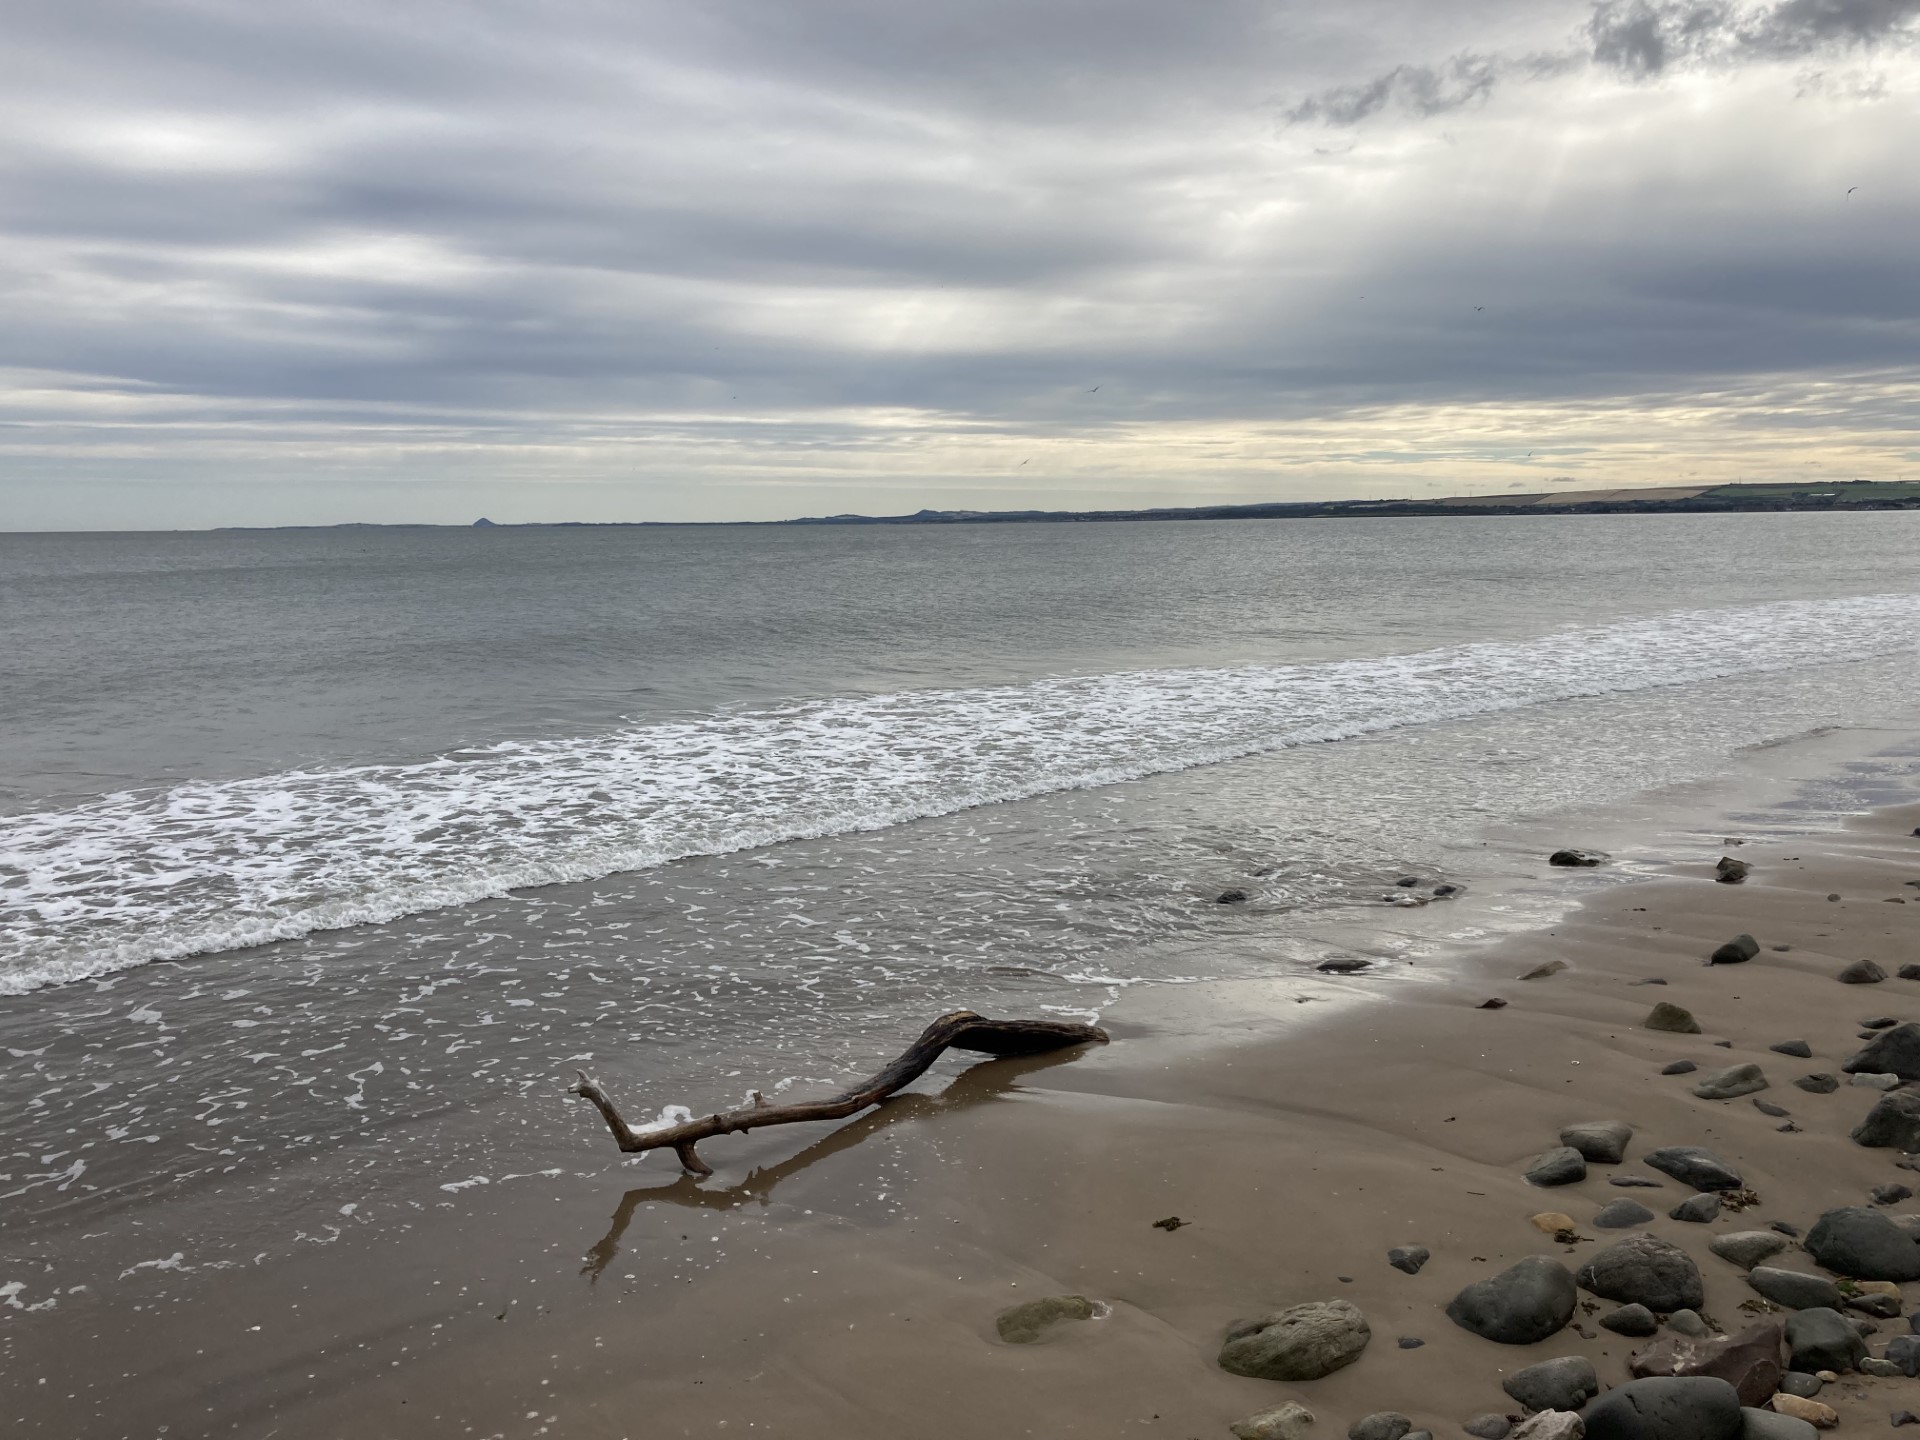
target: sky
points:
(265, 263)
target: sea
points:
(327, 857)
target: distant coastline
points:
(1847, 495)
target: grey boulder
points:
(1701, 1209)
(1643, 1269)
(1799, 1049)
(1603, 1142)
(1895, 1051)
(1666, 1407)
(1382, 1425)
(1631, 1320)
(1792, 1290)
(1893, 1123)
(1303, 1342)
(1622, 1214)
(1818, 1083)
(1823, 1339)
(1566, 1383)
(1863, 1243)
(1694, 1165)
(1770, 1425)
(1563, 1165)
(1409, 1258)
(1861, 972)
(1904, 1351)
(1730, 1083)
(1747, 1248)
(1675, 1019)
(1523, 1304)
(1736, 951)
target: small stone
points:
(1890, 1194)
(1343, 965)
(1767, 1107)
(1798, 1382)
(1672, 1018)
(1409, 1257)
(1561, 1166)
(1879, 1022)
(1749, 1361)
(1867, 1080)
(1648, 980)
(1603, 1142)
(1291, 1421)
(1818, 1083)
(1909, 972)
(1882, 1368)
(1381, 1425)
(1633, 1320)
(1731, 1083)
(1024, 1324)
(1903, 1417)
(1635, 1182)
(1411, 1342)
(1523, 1304)
(1798, 1048)
(1622, 1214)
(1747, 1248)
(1785, 1227)
(1541, 972)
(1771, 1425)
(1730, 871)
(1886, 1307)
(1679, 1067)
(1585, 859)
(1864, 1244)
(1304, 1342)
(1565, 1383)
(1904, 1351)
(1893, 1123)
(1794, 1289)
(1736, 951)
(1666, 1407)
(1494, 1004)
(1861, 972)
(1407, 882)
(1551, 1425)
(1551, 1222)
(1232, 897)
(1834, 896)
(1694, 1165)
(1821, 1339)
(1687, 1322)
(1488, 1427)
(1821, 1417)
(1645, 1270)
(1699, 1209)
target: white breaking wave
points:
(162, 874)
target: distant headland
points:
(1653, 500)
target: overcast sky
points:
(724, 259)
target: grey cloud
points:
(1420, 89)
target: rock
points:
(1696, 1166)
(1909, 972)
(1785, 1227)
(1523, 1304)
(1585, 859)
(1701, 1209)
(1903, 1417)
(1643, 1269)
(1551, 1222)
(1024, 1324)
(1890, 1194)
(1622, 1214)
(1688, 1323)
(1551, 1425)
(1818, 1416)
(1800, 1049)
(1672, 1018)
(1543, 971)
(1489, 1427)
(1494, 1004)
(1879, 1022)
(1823, 1339)
(1818, 1083)
(1895, 1051)
(1799, 1382)
(1732, 872)
(1904, 1351)
(1867, 1080)
(1666, 1407)
(1411, 1342)
(1407, 882)
(1749, 1361)
(1882, 1368)
(1561, 1166)
(1343, 965)
(1565, 1383)
(1680, 1067)
(1886, 1307)
(1792, 1290)
(1631, 1320)
(1894, 1122)
(1409, 1257)
(1736, 951)
(1636, 1182)
(1291, 1421)
(1734, 1081)
(1232, 897)
(1770, 1425)
(1863, 1243)
(1303, 1342)
(1747, 1248)
(1767, 1107)
(1603, 1142)
(1861, 972)
(1382, 1425)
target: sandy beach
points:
(845, 1283)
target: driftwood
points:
(962, 1030)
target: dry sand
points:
(847, 1287)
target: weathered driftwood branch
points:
(962, 1030)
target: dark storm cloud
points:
(842, 226)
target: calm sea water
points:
(314, 840)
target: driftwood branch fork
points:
(962, 1030)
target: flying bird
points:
(1852, 188)
(1094, 388)
(1479, 307)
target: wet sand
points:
(845, 1284)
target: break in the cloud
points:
(737, 259)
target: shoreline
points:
(845, 1284)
